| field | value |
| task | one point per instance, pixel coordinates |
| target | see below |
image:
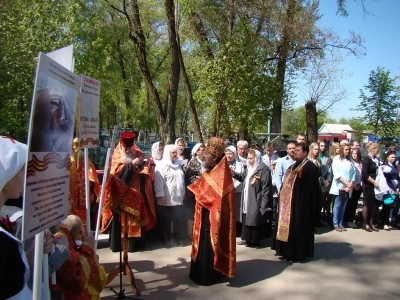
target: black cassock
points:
(304, 212)
(202, 270)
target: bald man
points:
(80, 277)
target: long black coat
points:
(304, 213)
(259, 197)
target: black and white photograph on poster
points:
(54, 115)
(51, 131)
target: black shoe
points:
(319, 224)
(367, 228)
(250, 245)
(373, 227)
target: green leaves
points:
(380, 102)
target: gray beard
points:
(127, 158)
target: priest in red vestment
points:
(138, 203)
(213, 246)
(298, 209)
(77, 187)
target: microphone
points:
(141, 164)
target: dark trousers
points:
(351, 207)
(274, 211)
(385, 213)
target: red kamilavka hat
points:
(127, 139)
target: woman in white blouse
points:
(343, 179)
(351, 207)
(169, 187)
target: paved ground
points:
(348, 265)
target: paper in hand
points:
(264, 210)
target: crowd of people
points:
(209, 197)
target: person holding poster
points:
(125, 166)
(14, 269)
(77, 186)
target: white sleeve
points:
(159, 182)
(386, 169)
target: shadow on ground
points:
(175, 275)
(252, 271)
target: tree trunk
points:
(174, 71)
(311, 119)
(189, 97)
(129, 119)
(281, 69)
(165, 117)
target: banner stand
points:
(38, 266)
(103, 186)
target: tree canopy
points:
(205, 66)
(380, 101)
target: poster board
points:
(89, 113)
(49, 145)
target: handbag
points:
(388, 199)
(343, 195)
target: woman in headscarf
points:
(155, 158)
(180, 144)
(14, 268)
(169, 187)
(238, 171)
(192, 173)
(257, 201)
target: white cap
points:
(12, 159)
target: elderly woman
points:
(169, 187)
(14, 268)
(192, 173)
(238, 175)
(157, 150)
(369, 168)
(257, 201)
(343, 172)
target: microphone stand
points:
(123, 263)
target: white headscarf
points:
(178, 172)
(155, 154)
(257, 161)
(195, 148)
(12, 159)
(179, 139)
(233, 149)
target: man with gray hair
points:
(242, 147)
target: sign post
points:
(89, 129)
(49, 142)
